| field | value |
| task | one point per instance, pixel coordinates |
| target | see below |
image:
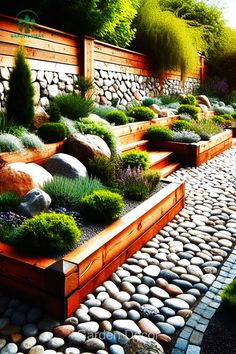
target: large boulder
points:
(143, 345)
(86, 147)
(65, 165)
(202, 107)
(34, 203)
(202, 99)
(40, 117)
(21, 177)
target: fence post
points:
(87, 57)
(202, 69)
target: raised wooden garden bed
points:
(38, 156)
(197, 153)
(61, 284)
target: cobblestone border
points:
(190, 338)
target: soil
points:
(220, 336)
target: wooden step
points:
(167, 170)
(160, 159)
(140, 145)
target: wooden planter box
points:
(233, 131)
(197, 153)
(38, 156)
(61, 284)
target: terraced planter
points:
(61, 284)
(38, 156)
(197, 153)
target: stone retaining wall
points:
(109, 85)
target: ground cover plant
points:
(135, 159)
(140, 113)
(228, 295)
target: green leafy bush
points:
(152, 177)
(102, 111)
(20, 99)
(141, 113)
(104, 169)
(117, 117)
(219, 120)
(189, 109)
(205, 128)
(168, 100)
(103, 131)
(233, 114)
(182, 125)
(148, 101)
(189, 99)
(9, 201)
(67, 192)
(228, 295)
(16, 130)
(73, 106)
(48, 234)
(157, 133)
(9, 143)
(228, 117)
(54, 112)
(185, 137)
(135, 159)
(6, 232)
(101, 205)
(52, 132)
(32, 141)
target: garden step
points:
(140, 145)
(167, 170)
(160, 159)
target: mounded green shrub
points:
(117, 117)
(168, 100)
(9, 143)
(20, 98)
(54, 112)
(73, 106)
(84, 85)
(148, 101)
(189, 109)
(219, 120)
(153, 178)
(9, 201)
(101, 205)
(206, 128)
(52, 132)
(228, 117)
(135, 159)
(182, 125)
(16, 130)
(48, 234)
(141, 113)
(102, 111)
(185, 137)
(67, 192)
(104, 169)
(189, 99)
(228, 295)
(157, 133)
(31, 141)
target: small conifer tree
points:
(20, 103)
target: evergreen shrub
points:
(182, 125)
(141, 113)
(189, 109)
(73, 106)
(104, 169)
(52, 132)
(117, 117)
(157, 133)
(9, 201)
(32, 141)
(135, 159)
(54, 112)
(9, 142)
(189, 99)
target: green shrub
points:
(189, 109)
(73, 106)
(84, 85)
(157, 133)
(189, 100)
(52, 132)
(16, 130)
(141, 113)
(31, 141)
(54, 112)
(185, 137)
(101, 206)
(104, 169)
(48, 234)
(6, 232)
(9, 143)
(117, 117)
(219, 110)
(148, 101)
(67, 192)
(3, 121)
(9, 201)
(233, 114)
(103, 131)
(100, 121)
(218, 120)
(205, 128)
(182, 125)
(20, 99)
(228, 295)
(102, 111)
(152, 177)
(168, 100)
(135, 159)
(228, 117)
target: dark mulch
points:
(220, 336)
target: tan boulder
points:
(202, 99)
(40, 116)
(21, 177)
(85, 147)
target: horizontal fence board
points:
(6, 60)
(121, 68)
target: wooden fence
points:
(52, 50)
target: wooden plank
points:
(8, 61)
(119, 68)
(214, 140)
(31, 53)
(31, 155)
(111, 59)
(88, 60)
(39, 43)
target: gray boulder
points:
(86, 147)
(65, 165)
(143, 345)
(34, 203)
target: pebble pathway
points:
(154, 292)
